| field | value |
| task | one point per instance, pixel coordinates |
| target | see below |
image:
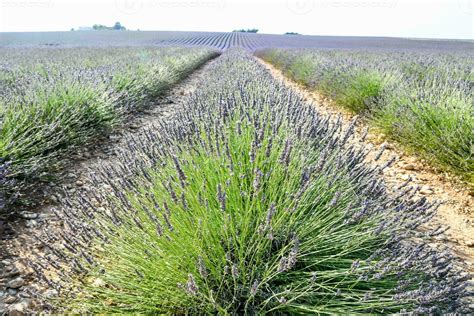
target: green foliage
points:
(423, 102)
(440, 125)
(301, 70)
(246, 31)
(34, 131)
(359, 92)
(117, 27)
(226, 246)
(246, 202)
(53, 100)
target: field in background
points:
(223, 40)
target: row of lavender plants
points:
(423, 100)
(245, 201)
(52, 100)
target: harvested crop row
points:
(246, 201)
(423, 102)
(49, 104)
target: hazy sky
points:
(404, 18)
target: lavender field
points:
(174, 173)
(224, 40)
(425, 101)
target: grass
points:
(245, 202)
(424, 103)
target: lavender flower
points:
(191, 286)
(285, 156)
(202, 268)
(221, 197)
(270, 213)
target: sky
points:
(450, 19)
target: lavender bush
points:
(4, 181)
(54, 99)
(247, 201)
(424, 101)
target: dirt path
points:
(19, 240)
(457, 211)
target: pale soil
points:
(457, 211)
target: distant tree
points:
(72, 29)
(246, 31)
(117, 27)
(292, 33)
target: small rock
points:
(10, 299)
(29, 215)
(409, 166)
(72, 190)
(469, 243)
(387, 145)
(51, 293)
(404, 177)
(53, 198)
(12, 291)
(15, 283)
(10, 272)
(19, 308)
(6, 262)
(98, 282)
(471, 193)
(45, 216)
(426, 190)
(79, 183)
(31, 223)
